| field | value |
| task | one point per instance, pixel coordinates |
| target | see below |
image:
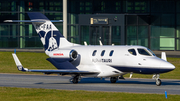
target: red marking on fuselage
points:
(58, 54)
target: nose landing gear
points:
(158, 80)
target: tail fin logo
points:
(49, 39)
(52, 43)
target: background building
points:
(151, 23)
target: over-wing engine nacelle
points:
(64, 55)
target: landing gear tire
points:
(113, 79)
(75, 80)
(156, 77)
(158, 82)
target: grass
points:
(34, 60)
(29, 60)
(32, 94)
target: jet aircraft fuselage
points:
(116, 60)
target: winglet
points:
(18, 63)
(163, 56)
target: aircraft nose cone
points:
(169, 66)
(166, 66)
(172, 67)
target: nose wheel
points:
(158, 80)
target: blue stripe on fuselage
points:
(141, 70)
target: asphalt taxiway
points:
(90, 84)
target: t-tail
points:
(49, 35)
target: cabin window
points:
(143, 52)
(94, 53)
(132, 51)
(111, 53)
(102, 53)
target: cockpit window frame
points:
(132, 51)
(94, 53)
(145, 51)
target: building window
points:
(137, 6)
(137, 30)
(30, 4)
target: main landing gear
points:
(158, 80)
(114, 79)
(75, 79)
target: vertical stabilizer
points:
(49, 35)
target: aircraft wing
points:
(64, 72)
(61, 72)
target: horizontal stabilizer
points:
(30, 21)
(23, 21)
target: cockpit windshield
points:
(151, 52)
(143, 51)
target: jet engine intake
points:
(73, 55)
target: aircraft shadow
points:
(129, 81)
(107, 81)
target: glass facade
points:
(151, 23)
(137, 30)
(23, 35)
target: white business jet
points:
(94, 61)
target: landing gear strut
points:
(113, 79)
(158, 80)
(75, 79)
